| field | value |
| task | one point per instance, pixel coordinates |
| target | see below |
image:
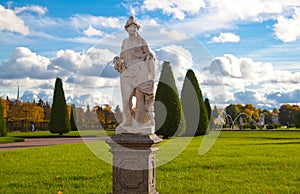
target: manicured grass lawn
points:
(239, 162)
(10, 139)
(47, 134)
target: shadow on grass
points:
(278, 143)
(10, 139)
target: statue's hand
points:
(146, 56)
(118, 64)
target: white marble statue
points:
(136, 65)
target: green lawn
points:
(10, 139)
(239, 162)
(47, 134)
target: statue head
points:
(131, 20)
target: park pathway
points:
(36, 142)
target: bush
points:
(297, 124)
(3, 129)
(194, 107)
(72, 118)
(59, 120)
(278, 125)
(292, 126)
(167, 105)
(252, 126)
(246, 126)
(270, 126)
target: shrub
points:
(297, 124)
(59, 120)
(252, 126)
(72, 118)
(278, 125)
(246, 126)
(167, 104)
(3, 129)
(270, 126)
(194, 108)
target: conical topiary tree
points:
(193, 106)
(297, 124)
(169, 117)
(72, 118)
(208, 107)
(190, 105)
(3, 129)
(59, 120)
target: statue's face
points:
(132, 29)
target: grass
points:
(47, 134)
(10, 139)
(239, 162)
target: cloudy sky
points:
(241, 51)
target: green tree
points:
(169, 116)
(59, 119)
(297, 124)
(232, 110)
(72, 118)
(208, 107)
(215, 113)
(193, 106)
(3, 129)
(288, 114)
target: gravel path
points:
(36, 142)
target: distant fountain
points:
(234, 120)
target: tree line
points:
(287, 115)
(187, 114)
(21, 116)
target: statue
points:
(136, 66)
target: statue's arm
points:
(149, 57)
(119, 64)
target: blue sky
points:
(241, 51)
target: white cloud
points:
(33, 8)
(24, 63)
(174, 34)
(93, 32)
(226, 37)
(177, 8)
(255, 10)
(179, 57)
(11, 22)
(288, 29)
(251, 81)
(84, 21)
(221, 15)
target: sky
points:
(241, 51)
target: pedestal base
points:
(136, 129)
(134, 163)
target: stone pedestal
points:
(134, 163)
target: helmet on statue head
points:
(131, 20)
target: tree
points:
(208, 107)
(232, 110)
(297, 124)
(288, 114)
(59, 119)
(268, 116)
(193, 106)
(215, 112)
(3, 129)
(169, 117)
(72, 118)
(118, 114)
